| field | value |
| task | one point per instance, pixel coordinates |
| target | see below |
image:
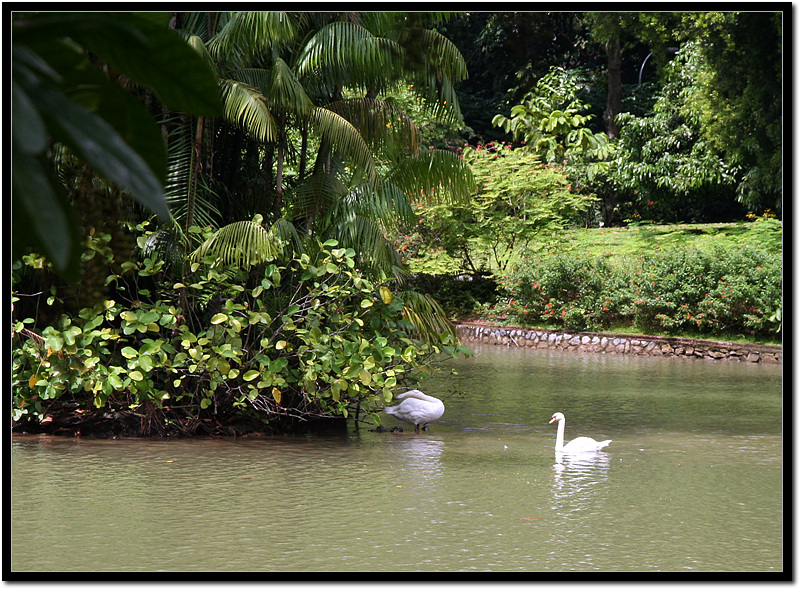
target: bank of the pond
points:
(612, 343)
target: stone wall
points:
(608, 343)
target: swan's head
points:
(557, 417)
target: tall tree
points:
(740, 99)
(607, 28)
(736, 90)
(342, 163)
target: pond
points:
(693, 481)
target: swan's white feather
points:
(581, 444)
(416, 407)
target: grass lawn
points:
(614, 241)
(622, 241)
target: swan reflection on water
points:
(574, 473)
(420, 454)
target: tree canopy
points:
(211, 209)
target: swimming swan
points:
(417, 408)
(581, 444)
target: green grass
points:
(617, 242)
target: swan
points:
(582, 444)
(417, 408)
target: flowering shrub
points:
(575, 292)
(715, 290)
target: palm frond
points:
(245, 106)
(177, 186)
(380, 23)
(346, 140)
(365, 236)
(383, 125)
(196, 43)
(441, 102)
(284, 91)
(388, 207)
(351, 54)
(252, 35)
(427, 316)
(203, 24)
(437, 65)
(397, 201)
(287, 236)
(437, 174)
(442, 53)
(242, 244)
(316, 195)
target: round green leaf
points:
(250, 375)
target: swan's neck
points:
(560, 435)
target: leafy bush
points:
(665, 166)
(549, 119)
(716, 290)
(518, 198)
(296, 341)
(573, 292)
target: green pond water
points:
(693, 481)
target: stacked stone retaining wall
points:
(609, 343)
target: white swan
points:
(577, 445)
(417, 408)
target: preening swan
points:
(417, 408)
(581, 444)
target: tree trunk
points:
(196, 168)
(303, 150)
(614, 103)
(277, 203)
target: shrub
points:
(716, 291)
(280, 344)
(573, 292)
(712, 290)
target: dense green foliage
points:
(550, 120)
(314, 138)
(738, 98)
(714, 290)
(256, 348)
(314, 192)
(666, 164)
(294, 127)
(519, 199)
(711, 149)
(58, 93)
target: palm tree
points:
(299, 87)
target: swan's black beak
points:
(552, 420)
